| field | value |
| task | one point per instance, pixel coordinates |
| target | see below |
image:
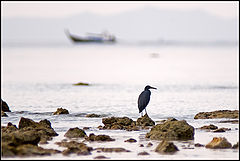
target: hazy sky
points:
(227, 9)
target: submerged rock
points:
(171, 129)
(145, 121)
(209, 127)
(131, 140)
(222, 130)
(93, 137)
(230, 121)
(112, 150)
(75, 147)
(143, 153)
(217, 114)
(101, 157)
(166, 147)
(93, 115)
(4, 106)
(75, 133)
(61, 111)
(219, 143)
(81, 84)
(198, 145)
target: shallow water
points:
(35, 81)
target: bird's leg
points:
(141, 114)
(146, 111)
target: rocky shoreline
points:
(23, 140)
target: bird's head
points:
(149, 87)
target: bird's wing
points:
(143, 100)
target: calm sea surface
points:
(37, 80)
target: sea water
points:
(36, 80)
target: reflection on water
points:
(36, 81)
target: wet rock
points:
(166, 147)
(4, 106)
(198, 145)
(122, 123)
(143, 153)
(86, 128)
(26, 150)
(75, 147)
(219, 143)
(209, 127)
(141, 145)
(93, 115)
(9, 128)
(23, 141)
(230, 121)
(81, 84)
(112, 150)
(235, 146)
(217, 114)
(222, 130)
(131, 140)
(171, 129)
(101, 157)
(93, 137)
(3, 114)
(149, 144)
(75, 133)
(145, 121)
(61, 111)
(42, 128)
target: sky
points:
(44, 9)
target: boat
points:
(91, 37)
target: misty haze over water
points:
(146, 26)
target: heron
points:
(144, 99)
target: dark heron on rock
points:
(144, 99)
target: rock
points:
(141, 145)
(222, 130)
(24, 141)
(26, 150)
(149, 144)
(93, 137)
(86, 128)
(112, 150)
(235, 146)
(81, 84)
(131, 140)
(171, 129)
(75, 133)
(145, 121)
(219, 143)
(93, 115)
(75, 147)
(143, 153)
(61, 111)
(198, 145)
(166, 147)
(42, 128)
(210, 127)
(122, 123)
(32, 150)
(230, 121)
(101, 157)
(217, 114)
(4, 106)
(3, 114)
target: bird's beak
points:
(153, 88)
